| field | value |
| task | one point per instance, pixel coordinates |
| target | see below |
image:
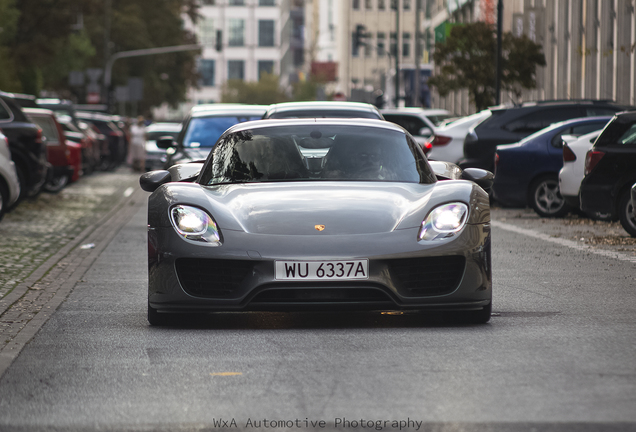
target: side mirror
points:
(150, 181)
(483, 178)
(166, 142)
(425, 131)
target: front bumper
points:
(451, 275)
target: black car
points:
(510, 125)
(115, 152)
(610, 172)
(28, 150)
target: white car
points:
(419, 122)
(9, 184)
(448, 141)
(573, 171)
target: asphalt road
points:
(558, 354)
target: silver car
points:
(374, 225)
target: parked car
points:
(447, 142)
(510, 125)
(330, 238)
(202, 128)
(573, 171)
(9, 184)
(155, 156)
(610, 172)
(28, 151)
(321, 109)
(65, 159)
(527, 173)
(421, 123)
(85, 138)
(115, 152)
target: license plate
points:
(322, 270)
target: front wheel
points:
(56, 184)
(545, 197)
(626, 214)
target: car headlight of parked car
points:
(195, 224)
(444, 221)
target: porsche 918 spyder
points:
(309, 214)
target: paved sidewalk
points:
(48, 243)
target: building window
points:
(381, 44)
(206, 71)
(406, 44)
(406, 4)
(393, 44)
(265, 67)
(206, 32)
(236, 69)
(394, 4)
(356, 4)
(368, 4)
(355, 50)
(237, 33)
(381, 4)
(267, 2)
(208, 2)
(266, 33)
(236, 2)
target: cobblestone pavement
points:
(47, 244)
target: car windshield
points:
(205, 131)
(437, 119)
(316, 152)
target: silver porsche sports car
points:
(318, 214)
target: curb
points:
(73, 263)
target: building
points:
(241, 39)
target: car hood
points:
(328, 208)
(302, 208)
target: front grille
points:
(213, 278)
(428, 276)
(321, 295)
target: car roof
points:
(414, 110)
(273, 123)
(221, 108)
(321, 105)
(43, 112)
(164, 126)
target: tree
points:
(263, 92)
(466, 60)
(42, 41)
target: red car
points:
(65, 157)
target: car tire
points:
(56, 184)
(545, 198)
(478, 316)
(158, 319)
(4, 200)
(626, 215)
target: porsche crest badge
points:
(319, 227)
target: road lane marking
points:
(128, 192)
(564, 242)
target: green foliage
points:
(263, 92)
(40, 45)
(305, 90)
(467, 60)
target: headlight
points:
(195, 224)
(444, 221)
